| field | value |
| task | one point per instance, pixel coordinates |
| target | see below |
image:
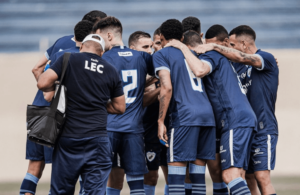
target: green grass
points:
(283, 185)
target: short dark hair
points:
(94, 16)
(109, 22)
(243, 30)
(191, 23)
(82, 29)
(171, 29)
(192, 38)
(217, 31)
(156, 32)
(134, 37)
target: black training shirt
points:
(90, 83)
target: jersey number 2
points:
(193, 78)
(130, 86)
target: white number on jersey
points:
(130, 86)
(195, 87)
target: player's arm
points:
(150, 95)
(46, 81)
(164, 100)
(150, 80)
(232, 54)
(39, 67)
(48, 96)
(199, 68)
(116, 105)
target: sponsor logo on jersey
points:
(221, 149)
(261, 125)
(257, 152)
(243, 75)
(223, 160)
(245, 87)
(150, 156)
(125, 54)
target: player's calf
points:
(252, 184)
(34, 173)
(236, 183)
(197, 176)
(176, 177)
(115, 181)
(215, 170)
(264, 182)
(150, 181)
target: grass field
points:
(283, 185)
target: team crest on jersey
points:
(249, 71)
(151, 156)
(125, 54)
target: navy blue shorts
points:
(90, 157)
(129, 154)
(263, 153)
(235, 147)
(38, 152)
(191, 143)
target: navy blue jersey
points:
(60, 44)
(226, 93)
(261, 86)
(54, 57)
(90, 83)
(133, 67)
(189, 105)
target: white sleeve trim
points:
(209, 64)
(161, 68)
(47, 56)
(262, 62)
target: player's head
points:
(191, 39)
(94, 16)
(170, 29)
(82, 29)
(156, 40)
(110, 28)
(93, 43)
(242, 37)
(140, 41)
(217, 34)
(192, 23)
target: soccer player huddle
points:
(178, 101)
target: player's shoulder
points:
(266, 56)
(214, 55)
(66, 38)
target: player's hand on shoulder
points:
(175, 43)
(162, 134)
(200, 49)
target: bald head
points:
(92, 47)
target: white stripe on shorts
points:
(231, 146)
(118, 160)
(171, 146)
(269, 152)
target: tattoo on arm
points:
(244, 56)
(161, 106)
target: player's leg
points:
(206, 150)
(263, 159)
(65, 172)
(116, 176)
(133, 161)
(234, 152)
(252, 184)
(187, 182)
(215, 170)
(97, 166)
(164, 167)
(152, 154)
(36, 157)
(182, 148)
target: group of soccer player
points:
(191, 101)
